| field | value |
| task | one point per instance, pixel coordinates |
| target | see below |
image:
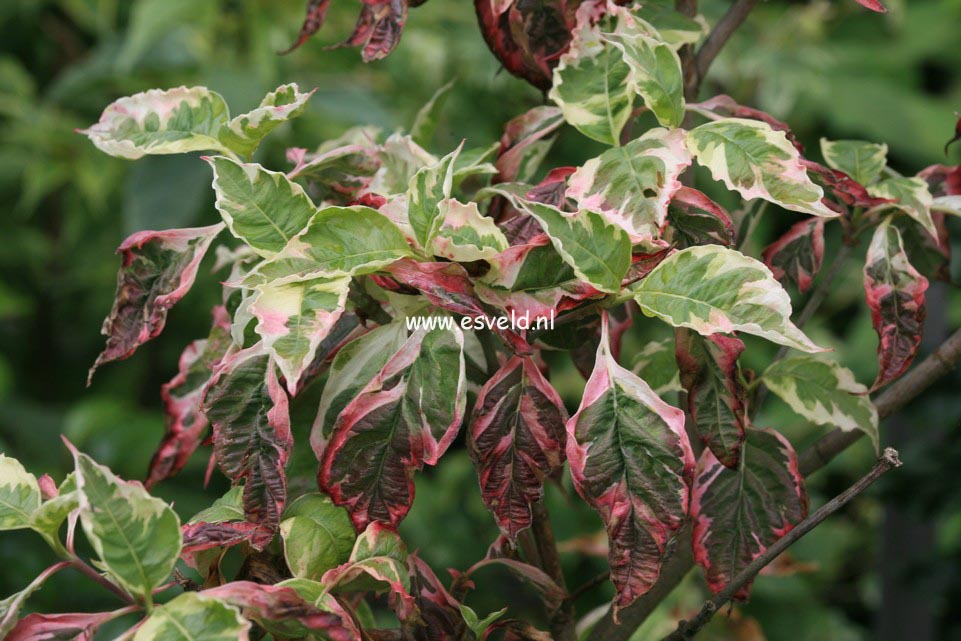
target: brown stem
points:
(687, 629)
(940, 363)
(688, 58)
(589, 585)
(561, 620)
(720, 34)
(78, 564)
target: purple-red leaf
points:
(547, 588)
(716, 399)
(797, 255)
(520, 136)
(251, 425)
(439, 611)
(516, 439)
(844, 188)
(58, 627)
(740, 513)
(406, 416)
(378, 29)
(873, 5)
(282, 610)
(157, 270)
(698, 220)
(316, 14)
(957, 135)
(895, 295)
(631, 460)
(182, 396)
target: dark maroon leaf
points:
(157, 270)
(440, 612)
(837, 183)
(316, 14)
(698, 220)
(797, 255)
(739, 513)
(516, 439)
(943, 180)
(553, 189)
(251, 425)
(717, 402)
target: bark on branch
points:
(687, 629)
(720, 34)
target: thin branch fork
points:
(719, 36)
(687, 629)
(911, 385)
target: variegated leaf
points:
(335, 176)
(631, 460)
(293, 319)
(717, 401)
(823, 392)
(355, 365)
(19, 494)
(157, 270)
(591, 84)
(407, 415)
(797, 255)
(185, 423)
(466, 235)
(712, 289)
(862, 161)
(338, 241)
(516, 439)
(377, 563)
(750, 157)
(695, 219)
(135, 536)
(632, 185)
(10, 607)
(194, 617)
(599, 252)
(400, 158)
(425, 122)
(525, 142)
(317, 536)
(912, 196)
(248, 410)
(244, 133)
(261, 207)
(895, 295)
(655, 74)
(428, 197)
(49, 517)
(675, 28)
(79, 626)
(161, 122)
(739, 513)
(655, 365)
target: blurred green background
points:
(886, 568)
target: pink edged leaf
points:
(377, 563)
(447, 286)
(873, 5)
(378, 29)
(739, 513)
(631, 460)
(895, 295)
(282, 611)
(251, 425)
(58, 627)
(406, 416)
(439, 611)
(516, 439)
(726, 107)
(797, 255)
(695, 219)
(518, 154)
(552, 190)
(316, 14)
(547, 589)
(185, 423)
(845, 189)
(157, 270)
(716, 399)
(202, 536)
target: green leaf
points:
(823, 392)
(425, 123)
(317, 536)
(194, 617)
(655, 74)
(477, 625)
(161, 122)
(591, 86)
(712, 289)
(598, 251)
(675, 28)
(48, 518)
(260, 207)
(229, 507)
(135, 536)
(758, 162)
(10, 607)
(338, 241)
(467, 235)
(863, 161)
(19, 494)
(655, 364)
(293, 319)
(244, 133)
(633, 185)
(428, 197)
(913, 196)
